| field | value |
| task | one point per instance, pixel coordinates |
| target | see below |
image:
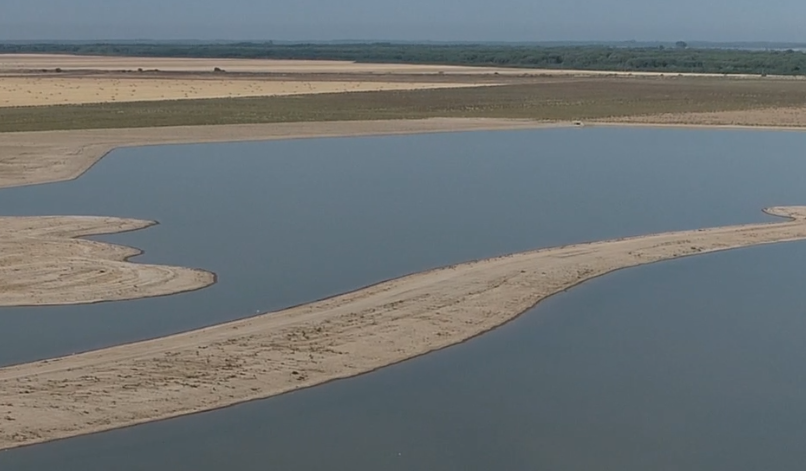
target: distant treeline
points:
(677, 59)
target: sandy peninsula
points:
(334, 338)
(28, 158)
(44, 262)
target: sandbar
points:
(43, 261)
(339, 337)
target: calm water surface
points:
(691, 364)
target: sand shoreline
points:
(303, 346)
(30, 158)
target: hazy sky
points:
(513, 20)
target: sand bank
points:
(335, 338)
(774, 118)
(28, 158)
(277, 352)
(42, 262)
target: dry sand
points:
(335, 338)
(42, 262)
(61, 90)
(39, 62)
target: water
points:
(691, 364)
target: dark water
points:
(691, 364)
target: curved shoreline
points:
(338, 337)
(27, 269)
(31, 158)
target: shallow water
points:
(690, 364)
(682, 364)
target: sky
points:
(441, 20)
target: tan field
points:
(278, 352)
(62, 90)
(39, 62)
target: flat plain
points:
(347, 334)
(67, 62)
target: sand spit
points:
(28, 158)
(43, 262)
(334, 338)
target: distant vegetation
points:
(676, 58)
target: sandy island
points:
(259, 357)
